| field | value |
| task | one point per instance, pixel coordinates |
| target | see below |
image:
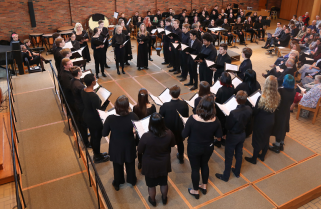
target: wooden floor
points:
(52, 166)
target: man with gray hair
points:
(281, 72)
(318, 21)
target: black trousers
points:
(229, 37)
(100, 59)
(198, 157)
(180, 149)
(166, 52)
(105, 57)
(251, 31)
(81, 125)
(241, 36)
(192, 69)
(206, 74)
(120, 57)
(233, 143)
(95, 138)
(184, 63)
(176, 59)
(264, 150)
(152, 41)
(119, 177)
(261, 32)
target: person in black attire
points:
(172, 119)
(282, 113)
(280, 73)
(127, 47)
(294, 31)
(205, 89)
(152, 37)
(175, 52)
(196, 27)
(284, 38)
(242, 16)
(118, 43)
(54, 37)
(215, 9)
(99, 52)
(166, 44)
(246, 64)
(228, 8)
(254, 17)
(231, 19)
(183, 55)
(223, 94)
(142, 110)
(227, 33)
(57, 56)
(104, 34)
(238, 30)
(195, 44)
(122, 17)
(214, 15)
(91, 117)
(259, 27)
(139, 21)
(27, 43)
(249, 24)
(76, 88)
(216, 34)
(182, 19)
(82, 37)
(264, 117)
(250, 86)
(206, 74)
(222, 58)
(236, 123)
(74, 42)
(206, 22)
(159, 15)
(135, 18)
(143, 38)
(122, 146)
(205, 11)
(219, 21)
(31, 59)
(201, 128)
(202, 17)
(155, 145)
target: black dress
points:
(220, 65)
(99, 54)
(156, 156)
(117, 41)
(150, 111)
(205, 73)
(282, 114)
(85, 52)
(128, 46)
(142, 51)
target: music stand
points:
(235, 6)
(165, 14)
(248, 14)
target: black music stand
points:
(248, 14)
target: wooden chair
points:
(314, 110)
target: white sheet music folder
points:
(228, 106)
(103, 94)
(162, 98)
(191, 101)
(253, 97)
(236, 81)
(141, 126)
(231, 67)
(215, 87)
(184, 119)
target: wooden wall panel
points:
(289, 8)
(305, 6)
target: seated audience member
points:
(308, 79)
(293, 20)
(33, 60)
(318, 20)
(280, 73)
(313, 25)
(301, 33)
(246, 64)
(281, 60)
(15, 37)
(271, 37)
(300, 23)
(309, 99)
(310, 69)
(306, 18)
(306, 35)
(294, 31)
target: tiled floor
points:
(302, 129)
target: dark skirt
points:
(153, 182)
(85, 52)
(142, 55)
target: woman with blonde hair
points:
(118, 44)
(143, 38)
(128, 45)
(263, 113)
(82, 37)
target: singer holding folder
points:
(222, 58)
(118, 43)
(183, 56)
(82, 37)
(177, 38)
(104, 35)
(91, 117)
(143, 39)
(122, 145)
(99, 52)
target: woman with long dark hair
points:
(143, 39)
(205, 89)
(142, 110)
(201, 128)
(99, 52)
(259, 27)
(155, 145)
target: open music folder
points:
(103, 94)
(209, 63)
(85, 73)
(68, 45)
(191, 100)
(236, 81)
(200, 56)
(177, 45)
(162, 98)
(215, 87)
(228, 106)
(253, 97)
(103, 115)
(141, 126)
(78, 53)
(184, 119)
(231, 67)
(186, 48)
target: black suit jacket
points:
(238, 119)
(58, 57)
(284, 39)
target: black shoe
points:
(179, 76)
(47, 61)
(106, 66)
(150, 59)
(250, 160)
(281, 145)
(43, 70)
(275, 149)
(164, 63)
(233, 171)
(169, 66)
(220, 176)
(172, 70)
(263, 47)
(193, 88)
(104, 154)
(104, 75)
(139, 69)
(97, 76)
(118, 72)
(261, 158)
(204, 191)
(164, 200)
(183, 79)
(139, 166)
(151, 202)
(218, 143)
(188, 84)
(88, 145)
(127, 63)
(197, 196)
(116, 187)
(101, 159)
(177, 72)
(146, 68)
(181, 159)
(123, 72)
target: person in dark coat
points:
(99, 52)
(201, 128)
(282, 113)
(183, 56)
(264, 118)
(74, 42)
(142, 110)
(91, 117)
(206, 74)
(222, 95)
(118, 43)
(128, 46)
(172, 119)
(205, 89)
(236, 123)
(195, 44)
(246, 64)
(174, 51)
(142, 51)
(222, 58)
(155, 145)
(104, 34)
(122, 145)
(166, 44)
(82, 37)
(57, 56)
(259, 27)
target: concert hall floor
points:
(54, 176)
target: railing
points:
(82, 149)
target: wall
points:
(52, 14)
